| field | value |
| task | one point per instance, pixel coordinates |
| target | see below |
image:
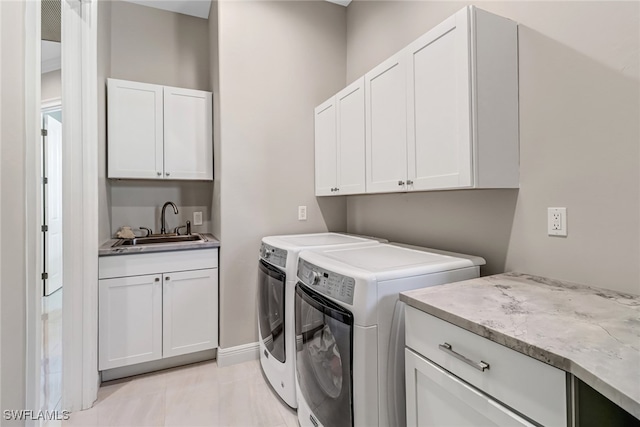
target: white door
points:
(135, 130)
(386, 126)
(439, 107)
(351, 139)
(188, 140)
(439, 399)
(190, 311)
(129, 320)
(326, 160)
(53, 205)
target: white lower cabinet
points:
(189, 307)
(437, 398)
(130, 320)
(457, 378)
(171, 311)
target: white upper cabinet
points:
(443, 112)
(158, 132)
(340, 142)
(326, 160)
(135, 121)
(188, 147)
(386, 124)
(462, 105)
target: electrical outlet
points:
(197, 218)
(557, 221)
(302, 213)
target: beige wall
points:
(579, 109)
(278, 60)
(154, 46)
(214, 70)
(51, 85)
(12, 219)
(104, 71)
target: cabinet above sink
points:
(159, 132)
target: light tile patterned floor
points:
(202, 394)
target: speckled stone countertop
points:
(589, 332)
(209, 241)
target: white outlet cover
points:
(197, 218)
(302, 213)
(557, 222)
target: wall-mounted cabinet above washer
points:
(159, 132)
(443, 112)
(340, 142)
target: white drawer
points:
(527, 385)
(156, 262)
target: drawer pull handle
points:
(480, 366)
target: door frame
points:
(80, 203)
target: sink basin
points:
(159, 239)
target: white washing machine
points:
(276, 289)
(350, 329)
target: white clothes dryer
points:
(350, 329)
(276, 288)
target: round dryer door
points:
(324, 335)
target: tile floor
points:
(51, 357)
(202, 394)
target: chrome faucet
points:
(163, 224)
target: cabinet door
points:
(135, 130)
(129, 320)
(386, 126)
(188, 143)
(326, 148)
(437, 398)
(190, 311)
(351, 139)
(439, 107)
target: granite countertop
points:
(209, 241)
(592, 333)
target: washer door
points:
(324, 339)
(271, 286)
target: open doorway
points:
(51, 202)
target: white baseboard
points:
(238, 354)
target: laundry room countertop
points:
(209, 241)
(592, 333)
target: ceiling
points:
(198, 8)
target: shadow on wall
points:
(476, 222)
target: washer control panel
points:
(273, 255)
(327, 282)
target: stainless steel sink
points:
(158, 239)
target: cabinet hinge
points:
(45, 228)
(43, 132)
(45, 276)
(45, 180)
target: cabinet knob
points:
(167, 278)
(159, 173)
(409, 182)
(156, 279)
(400, 182)
(167, 173)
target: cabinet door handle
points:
(409, 182)
(400, 182)
(167, 278)
(167, 173)
(481, 366)
(159, 173)
(156, 279)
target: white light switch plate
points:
(557, 221)
(197, 218)
(302, 213)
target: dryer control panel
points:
(273, 255)
(327, 282)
